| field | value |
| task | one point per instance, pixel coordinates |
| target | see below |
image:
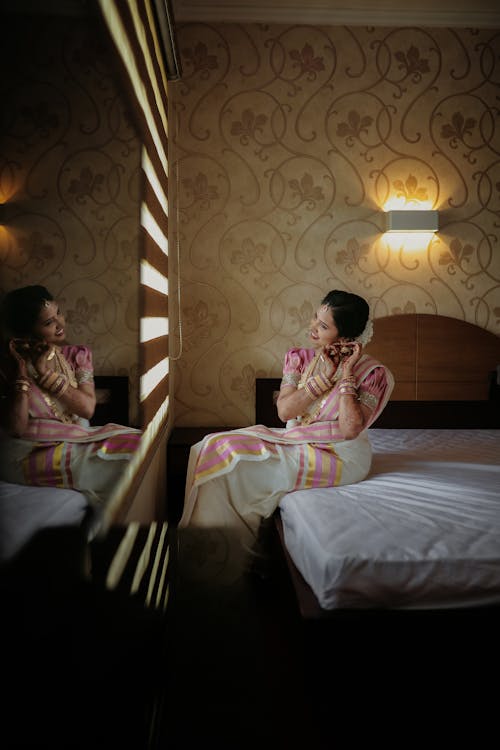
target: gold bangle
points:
(48, 381)
(59, 386)
(348, 390)
(56, 384)
(351, 380)
(64, 388)
(311, 389)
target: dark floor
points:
(81, 665)
(238, 672)
(248, 672)
(85, 669)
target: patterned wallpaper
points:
(288, 142)
(69, 171)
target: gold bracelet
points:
(59, 386)
(311, 389)
(350, 380)
(64, 388)
(47, 381)
(317, 385)
(347, 389)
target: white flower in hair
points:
(366, 335)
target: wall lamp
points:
(411, 221)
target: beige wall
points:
(288, 143)
(69, 170)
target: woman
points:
(330, 394)
(47, 397)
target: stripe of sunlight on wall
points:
(154, 365)
(132, 28)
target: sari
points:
(235, 479)
(60, 449)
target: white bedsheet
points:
(422, 531)
(26, 510)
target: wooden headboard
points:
(433, 357)
(445, 372)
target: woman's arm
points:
(79, 400)
(353, 416)
(14, 412)
(292, 402)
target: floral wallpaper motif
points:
(287, 142)
(69, 171)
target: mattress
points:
(421, 531)
(26, 510)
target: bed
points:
(422, 532)
(24, 511)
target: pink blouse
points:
(80, 360)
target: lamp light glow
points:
(412, 221)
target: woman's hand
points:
(349, 360)
(329, 361)
(15, 414)
(14, 351)
(352, 415)
(40, 356)
(30, 350)
(346, 353)
(79, 399)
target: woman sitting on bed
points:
(46, 400)
(330, 394)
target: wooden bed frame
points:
(446, 377)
